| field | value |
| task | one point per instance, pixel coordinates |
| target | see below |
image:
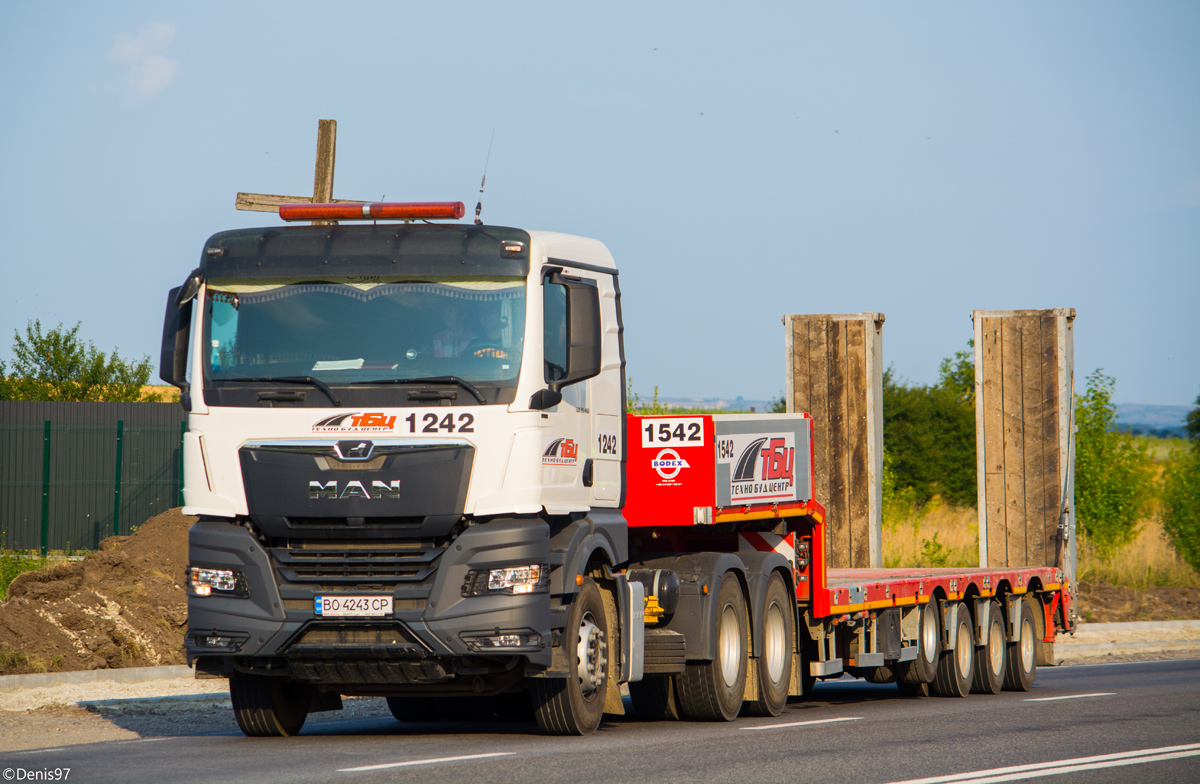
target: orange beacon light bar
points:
(417, 210)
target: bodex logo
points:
(668, 464)
(562, 451)
(355, 422)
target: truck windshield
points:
(357, 332)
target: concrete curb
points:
(124, 675)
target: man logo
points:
(562, 451)
(668, 464)
(354, 489)
(355, 450)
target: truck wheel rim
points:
(1026, 645)
(996, 647)
(964, 648)
(731, 646)
(591, 659)
(929, 635)
(774, 640)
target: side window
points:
(554, 336)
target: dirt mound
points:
(125, 606)
(1104, 603)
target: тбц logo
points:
(562, 451)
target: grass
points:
(937, 534)
(13, 563)
(940, 534)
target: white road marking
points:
(43, 751)
(426, 761)
(1072, 696)
(1037, 769)
(800, 723)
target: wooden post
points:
(835, 374)
(1024, 399)
(322, 180)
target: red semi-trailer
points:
(743, 483)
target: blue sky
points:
(919, 159)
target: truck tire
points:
(1021, 664)
(923, 669)
(574, 705)
(913, 689)
(713, 691)
(413, 709)
(990, 658)
(955, 668)
(266, 706)
(779, 637)
(654, 698)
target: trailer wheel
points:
(267, 706)
(775, 664)
(713, 691)
(1022, 654)
(913, 689)
(955, 668)
(654, 698)
(922, 670)
(990, 659)
(574, 705)
(413, 708)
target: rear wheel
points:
(265, 706)
(913, 689)
(923, 669)
(775, 664)
(1021, 665)
(989, 659)
(574, 705)
(413, 708)
(955, 668)
(713, 691)
(654, 698)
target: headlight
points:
(220, 582)
(533, 578)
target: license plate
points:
(353, 606)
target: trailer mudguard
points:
(759, 566)
(694, 617)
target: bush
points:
(1180, 509)
(58, 365)
(1114, 473)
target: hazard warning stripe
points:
(751, 541)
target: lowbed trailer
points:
(415, 477)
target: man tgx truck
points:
(408, 450)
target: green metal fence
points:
(68, 484)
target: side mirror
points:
(545, 398)
(177, 326)
(187, 292)
(583, 331)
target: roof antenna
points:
(479, 204)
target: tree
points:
(1181, 504)
(1192, 424)
(930, 432)
(56, 365)
(1114, 473)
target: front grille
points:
(410, 562)
(323, 640)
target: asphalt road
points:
(1083, 724)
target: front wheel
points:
(266, 706)
(574, 705)
(713, 691)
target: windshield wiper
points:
(316, 382)
(467, 385)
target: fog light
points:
(206, 582)
(505, 640)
